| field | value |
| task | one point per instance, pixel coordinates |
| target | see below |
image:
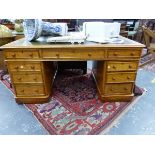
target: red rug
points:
(75, 108)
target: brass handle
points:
(31, 55)
(32, 67)
(57, 55)
(14, 55)
(89, 54)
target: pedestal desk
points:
(30, 65)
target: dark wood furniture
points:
(148, 36)
(30, 66)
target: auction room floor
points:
(140, 119)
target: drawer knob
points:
(14, 55)
(130, 66)
(16, 67)
(31, 55)
(21, 66)
(22, 91)
(132, 54)
(125, 88)
(111, 89)
(37, 91)
(19, 78)
(113, 78)
(35, 79)
(115, 54)
(128, 77)
(89, 54)
(32, 67)
(114, 67)
(57, 55)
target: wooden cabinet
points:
(32, 80)
(116, 76)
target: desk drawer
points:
(19, 54)
(124, 53)
(118, 88)
(24, 66)
(29, 90)
(73, 54)
(121, 77)
(122, 66)
(27, 78)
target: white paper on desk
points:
(106, 41)
(71, 37)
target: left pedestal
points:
(32, 80)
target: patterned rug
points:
(74, 108)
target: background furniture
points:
(4, 41)
(132, 33)
(148, 36)
(32, 71)
(18, 35)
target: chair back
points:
(148, 35)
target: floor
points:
(140, 119)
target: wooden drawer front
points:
(122, 66)
(29, 90)
(73, 54)
(121, 77)
(27, 78)
(24, 66)
(126, 53)
(118, 88)
(26, 54)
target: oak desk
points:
(30, 66)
